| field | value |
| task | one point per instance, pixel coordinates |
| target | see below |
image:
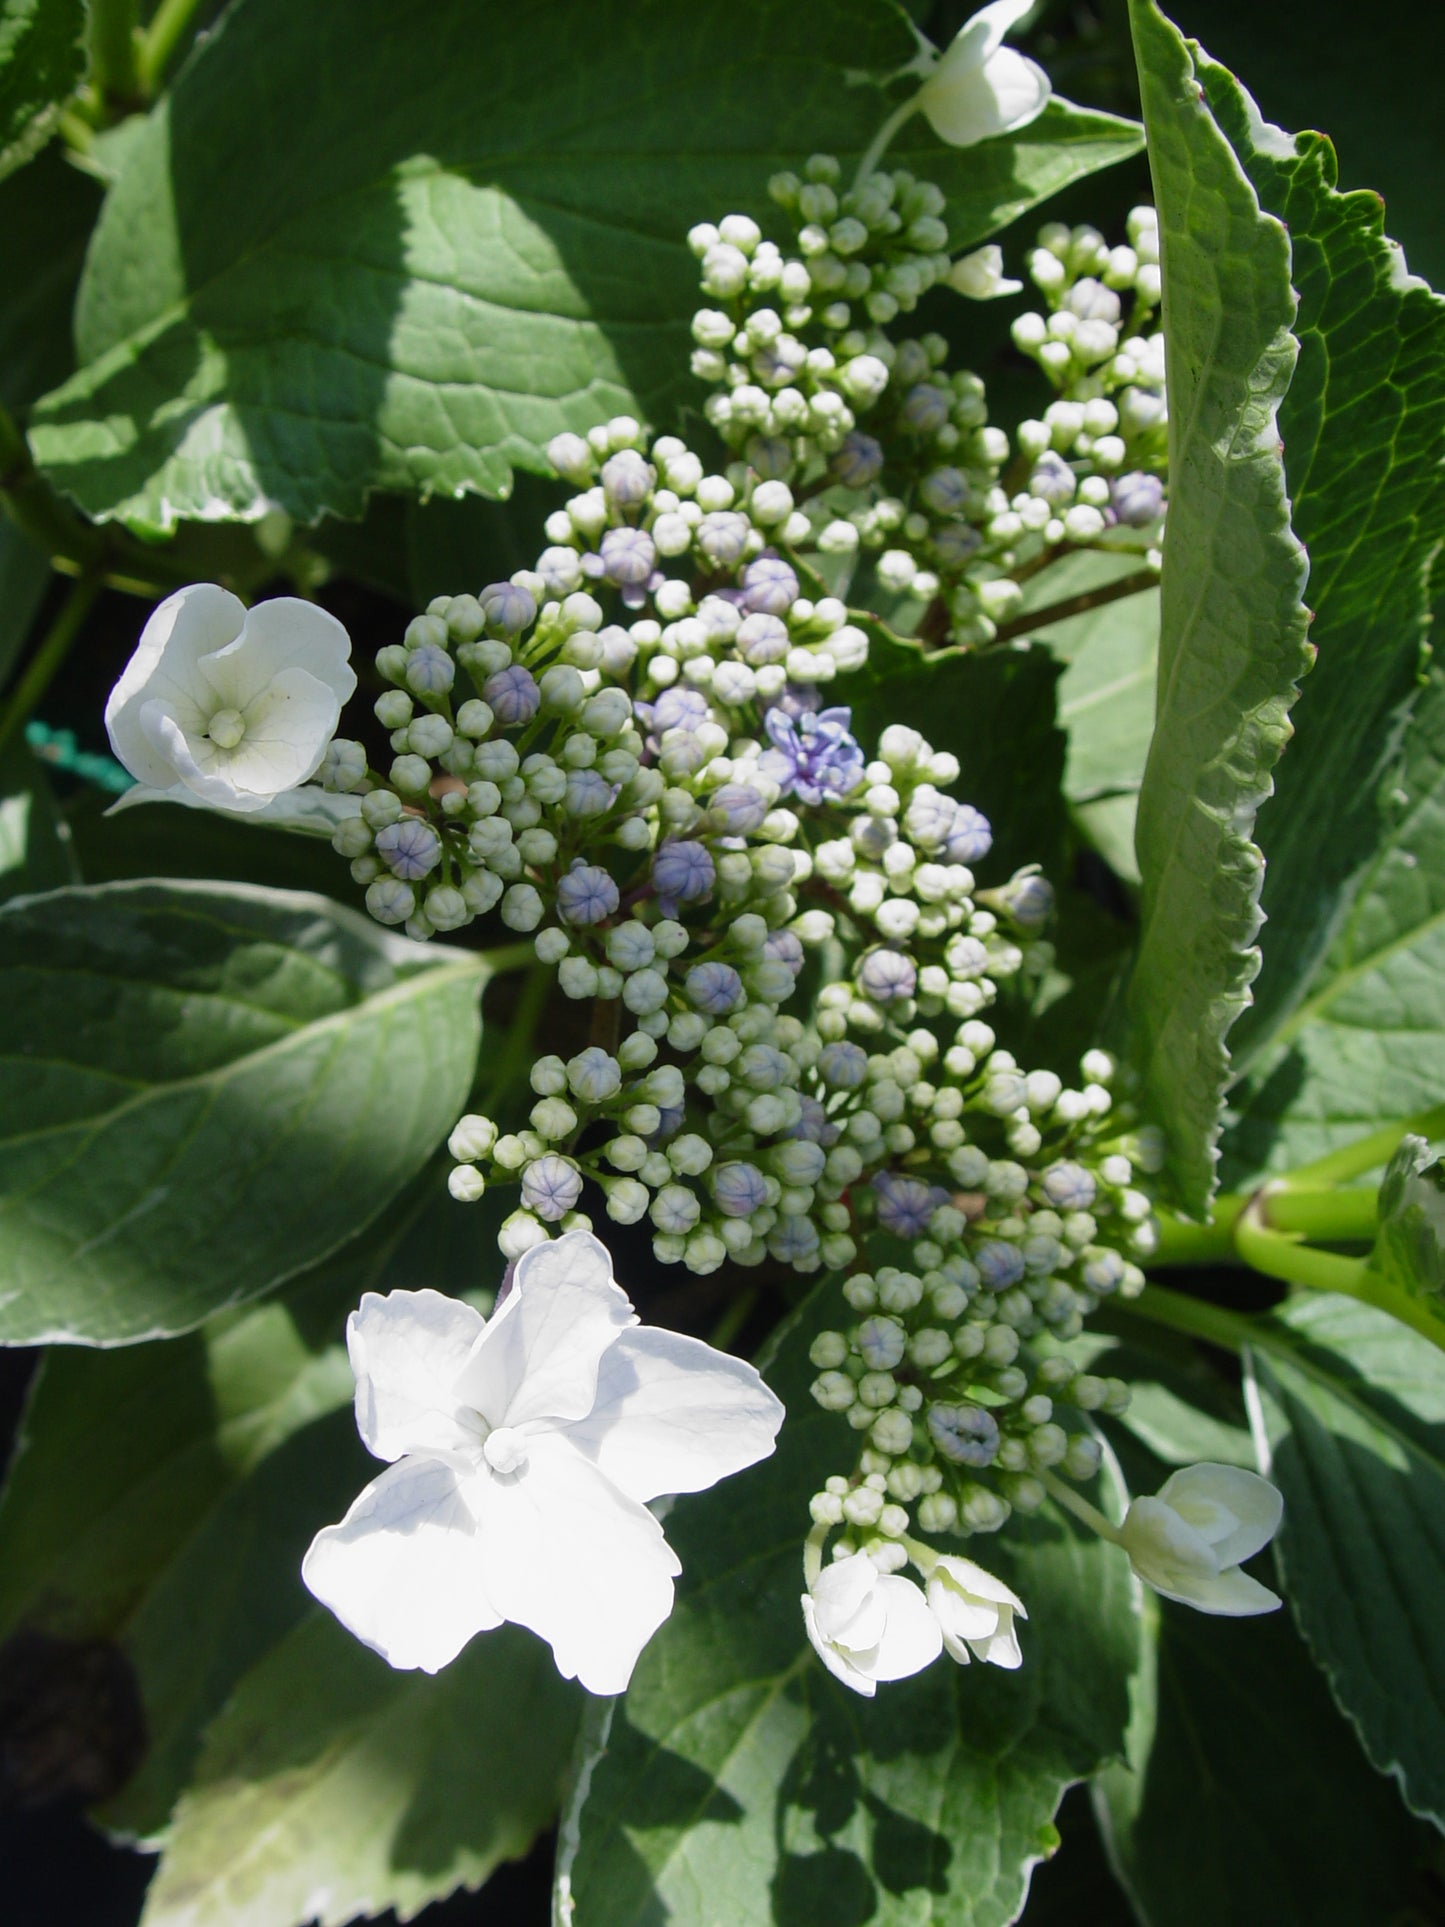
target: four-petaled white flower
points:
(525, 1448)
(975, 1611)
(980, 275)
(869, 1626)
(227, 704)
(1188, 1540)
(980, 87)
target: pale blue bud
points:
(714, 988)
(886, 976)
(843, 1066)
(343, 766)
(970, 838)
(763, 638)
(857, 461)
(737, 810)
(1069, 1186)
(999, 1265)
(513, 695)
(945, 491)
(739, 1189)
(925, 409)
(586, 894)
(430, 671)
(627, 480)
(794, 1241)
(410, 849)
(964, 1434)
(722, 537)
(628, 557)
(1137, 500)
(390, 901)
(683, 872)
(507, 608)
(769, 586)
(588, 793)
(551, 1186)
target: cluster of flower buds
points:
(893, 454)
(626, 752)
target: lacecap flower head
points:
(228, 704)
(524, 1449)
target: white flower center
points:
(505, 1450)
(226, 728)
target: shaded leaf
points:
(205, 1088)
(36, 850)
(1410, 1248)
(1367, 1045)
(1362, 425)
(331, 1786)
(1232, 625)
(737, 1779)
(42, 58)
(1354, 1407)
(455, 249)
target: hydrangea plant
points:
(778, 1029)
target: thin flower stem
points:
(159, 42)
(1078, 605)
(54, 648)
(1076, 1503)
(813, 1555)
(508, 957)
(733, 1319)
(113, 51)
(1230, 1330)
(879, 144)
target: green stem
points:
(1183, 1243)
(514, 1058)
(733, 1319)
(1332, 1217)
(113, 51)
(1280, 1254)
(1230, 1330)
(1078, 605)
(160, 40)
(54, 648)
(1367, 1153)
(508, 957)
(1076, 1503)
(879, 144)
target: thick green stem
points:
(113, 52)
(1280, 1254)
(48, 657)
(1331, 1217)
(1183, 1243)
(158, 44)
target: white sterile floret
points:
(868, 1626)
(524, 1450)
(230, 705)
(1188, 1541)
(980, 87)
(980, 275)
(975, 1611)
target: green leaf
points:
(738, 1780)
(46, 215)
(1232, 634)
(1106, 696)
(1354, 1407)
(205, 1089)
(1362, 425)
(332, 1786)
(1410, 1248)
(1246, 1798)
(995, 712)
(1367, 1045)
(36, 851)
(42, 58)
(448, 248)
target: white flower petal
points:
(1163, 1549)
(403, 1571)
(408, 1349)
(1232, 1594)
(288, 726)
(838, 1663)
(581, 1564)
(541, 1354)
(284, 633)
(187, 625)
(912, 1638)
(849, 1609)
(673, 1415)
(1256, 1505)
(976, 103)
(980, 36)
(1001, 1647)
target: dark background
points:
(1370, 78)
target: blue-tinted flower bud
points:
(881, 1343)
(683, 872)
(1030, 901)
(843, 1066)
(551, 1186)
(1137, 500)
(1069, 1186)
(999, 1265)
(955, 543)
(762, 639)
(722, 537)
(970, 837)
(964, 1434)
(857, 461)
(736, 810)
(627, 479)
(905, 1205)
(739, 1190)
(586, 894)
(886, 976)
(1052, 480)
(714, 988)
(945, 491)
(925, 409)
(628, 556)
(784, 947)
(410, 848)
(390, 901)
(430, 671)
(507, 608)
(512, 695)
(588, 793)
(769, 586)
(343, 766)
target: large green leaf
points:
(1354, 1407)
(739, 1781)
(1232, 635)
(1362, 424)
(204, 1089)
(1367, 1045)
(42, 57)
(459, 236)
(1246, 1799)
(332, 1786)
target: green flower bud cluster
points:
(889, 453)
